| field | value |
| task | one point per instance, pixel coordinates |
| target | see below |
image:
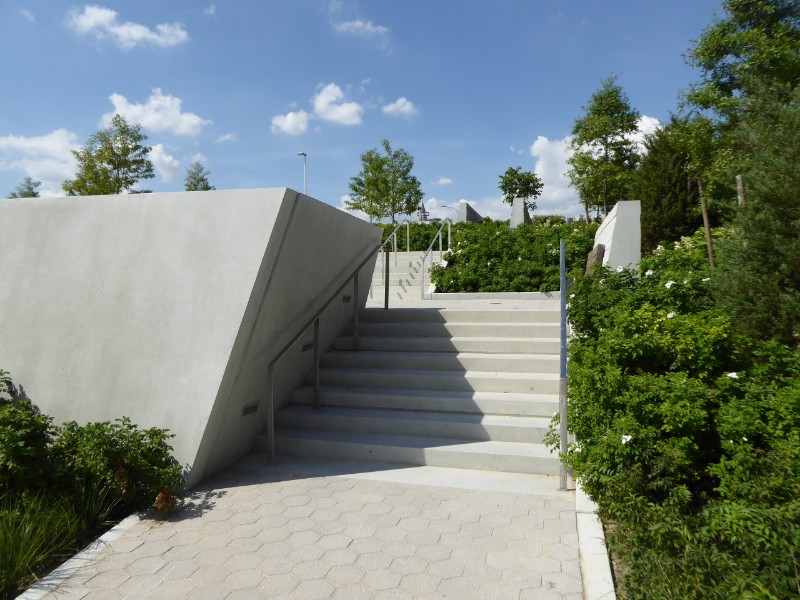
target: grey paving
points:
(304, 530)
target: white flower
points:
(626, 439)
(744, 439)
(704, 279)
(519, 258)
(733, 375)
(685, 281)
(601, 281)
(572, 295)
(648, 273)
(669, 284)
(670, 315)
(620, 269)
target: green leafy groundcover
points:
(688, 433)
(61, 485)
(492, 257)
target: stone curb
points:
(50, 582)
(598, 582)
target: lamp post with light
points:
(305, 181)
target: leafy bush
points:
(58, 485)
(492, 257)
(687, 433)
(421, 234)
(136, 464)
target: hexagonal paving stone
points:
(242, 580)
(382, 579)
(314, 589)
(343, 575)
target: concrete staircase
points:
(405, 273)
(455, 387)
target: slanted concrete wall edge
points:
(621, 234)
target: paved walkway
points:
(345, 531)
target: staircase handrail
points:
(449, 223)
(314, 320)
(562, 388)
(393, 237)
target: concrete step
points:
(513, 457)
(461, 426)
(549, 345)
(486, 330)
(457, 381)
(486, 403)
(548, 312)
(455, 361)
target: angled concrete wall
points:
(166, 308)
(621, 234)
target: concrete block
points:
(519, 213)
(467, 214)
(621, 235)
(167, 308)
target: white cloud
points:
(364, 29)
(551, 167)
(356, 213)
(443, 181)
(159, 113)
(402, 107)
(166, 164)
(103, 23)
(199, 157)
(210, 10)
(328, 105)
(28, 15)
(227, 137)
(646, 125)
(293, 123)
(47, 158)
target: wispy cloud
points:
(227, 137)
(293, 123)
(210, 10)
(364, 29)
(443, 181)
(103, 23)
(159, 113)
(402, 107)
(28, 15)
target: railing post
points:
(562, 400)
(316, 364)
(408, 236)
(355, 312)
(449, 223)
(386, 285)
(271, 415)
(441, 256)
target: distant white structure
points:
(519, 213)
(621, 234)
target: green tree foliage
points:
(516, 183)
(760, 280)
(26, 189)
(112, 161)
(754, 40)
(197, 178)
(385, 186)
(604, 154)
(664, 187)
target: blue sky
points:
(467, 87)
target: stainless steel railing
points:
(562, 395)
(428, 252)
(314, 320)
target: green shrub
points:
(688, 433)
(422, 234)
(24, 441)
(492, 257)
(136, 464)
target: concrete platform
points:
(328, 529)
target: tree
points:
(516, 183)
(759, 282)
(662, 183)
(26, 189)
(112, 161)
(197, 178)
(604, 154)
(385, 186)
(756, 41)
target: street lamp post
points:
(305, 181)
(451, 208)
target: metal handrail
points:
(314, 320)
(449, 223)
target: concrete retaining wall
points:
(166, 308)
